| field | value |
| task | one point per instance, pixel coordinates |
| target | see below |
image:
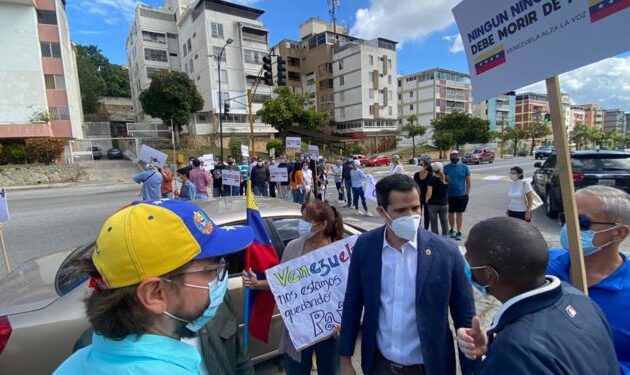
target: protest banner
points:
(278, 174)
(370, 188)
(511, 44)
(294, 142)
(152, 156)
(131, 156)
(245, 150)
(207, 161)
(313, 151)
(309, 291)
(231, 178)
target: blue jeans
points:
(348, 185)
(217, 192)
(359, 193)
(261, 191)
(325, 354)
(202, 196)
(298, 196)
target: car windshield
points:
(601, 163)
(71, 272)
(477, 152)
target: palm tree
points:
(413, 131)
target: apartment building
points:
(615, 120)
(431, 94)
(578, 116)
(499, 111)
(39, 73)
(532, 107)
(189, 36)
(593, 115)
(364, 81)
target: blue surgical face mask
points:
(586, 236)
(216, 292)
(304, 229)
(483, 289)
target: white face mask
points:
(405, 227)
(304, 229)
(513, 176)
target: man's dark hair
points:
(513, 247)
(397, 182)
(196, 163)
(184, 172)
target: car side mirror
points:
(537, 165)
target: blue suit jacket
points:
(440, 284)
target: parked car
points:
(96, 153)
(543, 152)
(420, 158)
(590, 167)
(114, 153)
(376, 161)
(42, 313)
(478, 156)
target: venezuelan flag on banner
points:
(260, 256)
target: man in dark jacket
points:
(260, 177)
(347, 181)
(544, 326)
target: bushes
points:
(44, 150)
(275, 144)
(235, 148)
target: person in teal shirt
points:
(157, 276)
(151, 181)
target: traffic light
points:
(547, 117)
(226, 108)
(267, 72)
(282, 71)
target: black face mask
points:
(454, 160)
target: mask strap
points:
(174, 317)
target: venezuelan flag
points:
(600, 9)
(259, 256)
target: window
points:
(391, 95)
(217, 30)
(151, 71)
(389, 63)
(185, 49)
(172, 54)
(50, 49)
(47, 17)
(293, 61)
(216, 51)
(411, 94)
(389, 110)
(225, 96)
(411, 107)
(202, 117)
(371, 58)
(191, 67)
(155, 55)
(189, 43)
(149, 36)
(253, 57)
(371, 77)
(224, 76)
(399, 96)
(389, 79)
(371, 93)
(326, 84)
(293, 76)
(60, 113)
(54, 82)
(342, 96)
(342, 112)
(341, 81)
(340, 64)
(371, 109)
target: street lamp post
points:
(227, 42)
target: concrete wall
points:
(21, 175)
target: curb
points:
(62, 185)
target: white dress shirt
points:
(397, 337)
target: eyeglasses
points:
(220, 270)
(585, 222)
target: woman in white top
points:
(520, 195)
(396, 166)
(308, 181)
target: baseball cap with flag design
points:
(152, 238)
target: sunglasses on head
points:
(585, 222)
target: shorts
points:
(457, 204)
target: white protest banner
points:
(208, 162)
(231, 178)
(272, 153)
(294, 142)
(151, 155)
(279, 174)
(370, 188)
(131, 156)
(313, 150)
(511, 44)
(309, 291)
(4, 206)
(245, 150)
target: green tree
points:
(91, 85)
(286, 109)
(235, 148)
(581, 136)
(535, 131)
(443, 140)
(463, 128)
(414, 130)
(515, 135)
(275, 144)
(172, 96)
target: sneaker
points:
(368, 213)
(360, 212)
(451, 233)
(340, 201)
(458, 236)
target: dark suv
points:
(592, 167)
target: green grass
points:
(407, 153)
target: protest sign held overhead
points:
(150, 155)
(309, 291)
(207, 161)
(278, 174)
(294, 142)
(511, 44)
(370, 188)
(131, 156)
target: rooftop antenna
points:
(332, 10)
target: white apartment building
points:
(364, 82)
(432, 94)
(38, 71)
(190, 37)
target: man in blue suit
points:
(407, 279)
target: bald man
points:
(545, 326)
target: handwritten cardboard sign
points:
(310, 290)
(294, 142)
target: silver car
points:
(41, 302)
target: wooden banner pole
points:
(4, 252)
(565, 172)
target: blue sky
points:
(425, 29)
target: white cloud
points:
(88, 32)
(605, 83)
(403, 20)
(457, 45)
(113, 12)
